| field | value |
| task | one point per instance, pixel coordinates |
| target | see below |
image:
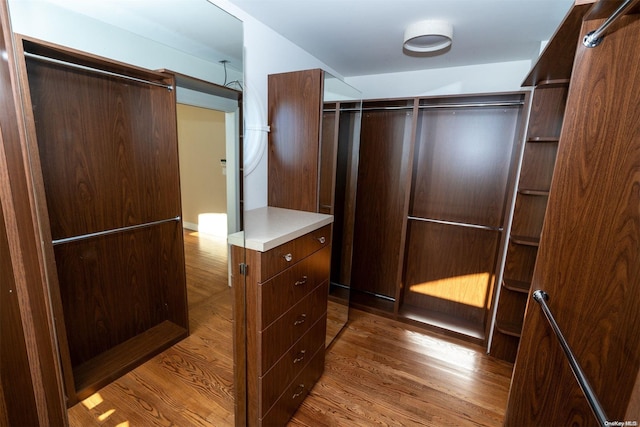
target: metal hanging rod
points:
(459, 224)
(405, 107)
(462, 105)
(475, 104)
(541, 297)
(94, 70)
(594, 38)
(113, 231)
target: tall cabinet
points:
(104, 152)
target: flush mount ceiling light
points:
(428, 36)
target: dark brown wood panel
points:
(528, 215)
(295, 394)
(463, 163)
(295, 112)
(292, 362)
(381, 201)
(108, 158)
(345, 193)
(30, 378)
(538, 162)
(19, 403)
(277, 259)
(289, 287)
(115, 287)
(284, 332)
(450, 269)
(520, 262)
(328, 159)
(588, 259)
(547, 110)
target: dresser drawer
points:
(273, 383)
(281, 257)
(283, 291)
(276, 339)
(295, 393)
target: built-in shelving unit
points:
(534, 185)
(431, 206)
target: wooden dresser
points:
(280, 311)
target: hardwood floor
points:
(378, 372)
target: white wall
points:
(499, 77)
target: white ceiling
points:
(361, 37)
(354, 37)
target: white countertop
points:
(268, 227)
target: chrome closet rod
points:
(541, 297)
(405, 107)
(333, 110)
(594, 38)
(114, 230)
(460, 224)
(94, 70)
(475, 104)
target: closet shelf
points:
(528, 192)
(525, 240)
(509, 328)
(110, 365)
(543, 139)
(548, 84)
(516, 285)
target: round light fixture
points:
(428, 36)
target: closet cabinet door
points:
(383, 175)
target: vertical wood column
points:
(384, 176)
(295, 113)
(588, 261)
(30, 380)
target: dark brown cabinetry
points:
(538, 160)
(589, 249)
(313, 163)
(433, 188)
(286, 317)
(386, 150)
(295, 113)
(104, 141)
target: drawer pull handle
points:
(300, 320)
(322, 240)
(288, 257)
(300, 357)
(301, 281)
(299, 391)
